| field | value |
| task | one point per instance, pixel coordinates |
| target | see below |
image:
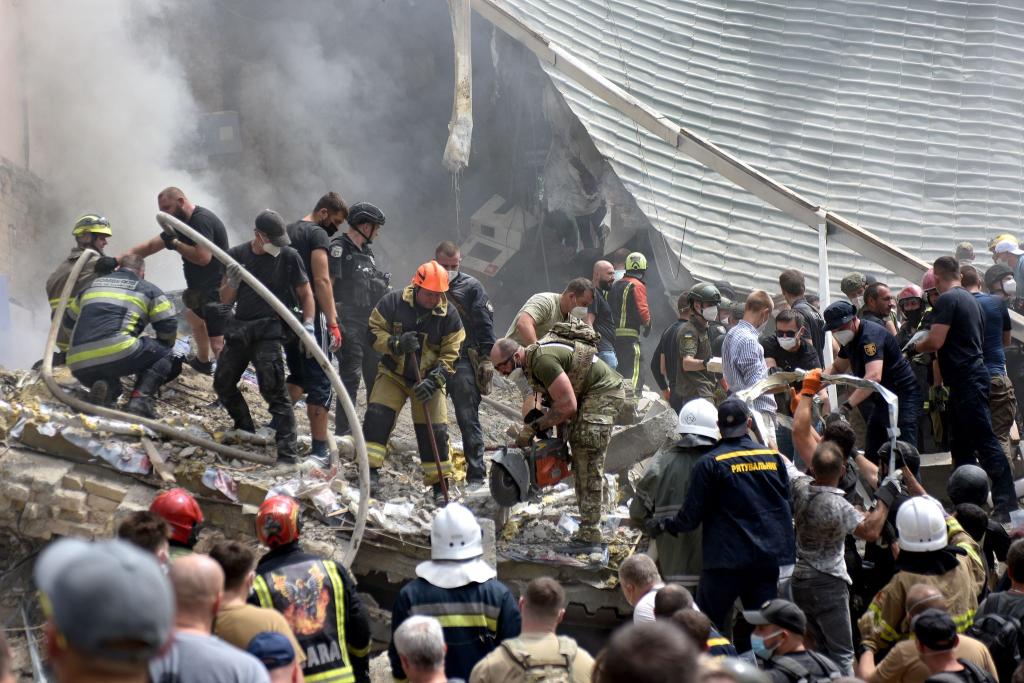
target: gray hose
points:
(169, 222)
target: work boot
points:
(141, 405)
(438, 493)
(374, 481)
(200, 366)
(99, 393)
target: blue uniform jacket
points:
(739, 492)
(476, 311)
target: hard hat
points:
(277, 522)
(432, 277)
(92, 223)
(928, 281)
(921, 525)
(851, 282)
(1001, 237)
(706, 293)
(180, 510)
(636, 261)
(995, 274)
(906, 454)
(699, 416)
(968, 484)
(365, 212)
(910, 292)
(455, 534)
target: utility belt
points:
(251, 331)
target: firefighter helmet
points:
(910, 292)
(277, 522)
(432, 277)
(921, 525)
(365, 212)
(928, 281)
(455, 534)
(636, 261)
(92, 223)
(180, 510)
(1001, 237)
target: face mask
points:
(914, 316)
(843, 337)
(759, 648)
(857, 301)
(1010, 287)
(788, 343)
(580, 313)
(710, 313)
(452, 274)
(271, 249)
(619, 274)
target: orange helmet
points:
(180, 510)
(277, 522)
(431, 276)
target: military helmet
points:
(706, 293)
(92, 223)
(968, 484)
(636, 261)
(995, 275)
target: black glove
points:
(404, 343)
(655, 526)
(169, 239)
(105, 264)
(431, 384)
(887, 493)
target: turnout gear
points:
(432, 277)
(628, 301)
(278, 521)
(401, 344)
(928, 280)
(157, 375)
(431, 384)
(180, 510)
(94, 268)
(93, 224)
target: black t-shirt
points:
(603, 323)
(961, 354)
(206, 223)
(815, 327)
(281, 275)
(873, 342)
(307, 236)
(802, 357)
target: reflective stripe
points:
(627, 332)
(375, 453)
(339, 675)
(888, 633)
(625, 308)
(107, 296)
(360, 651)
(718, 642)
(263, 592)
(964, 621)
(468, 621)
(437, 609)
(636, 365)
(741, 454)
(106, 353)
(344, 673)
(162, 310)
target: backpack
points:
(1004, 639)
(582, 338)
(544, 670)
(798, 673)
(972, 673)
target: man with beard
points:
(599, 315)
(205, 314)
(311, 237)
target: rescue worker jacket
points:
(94, 268)
(470, 299)
(319, 601)
(439, 330)
(629, 307)
(475, 618)
(357, 282)
(106, 320)
(739, 492)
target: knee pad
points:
(378, 423)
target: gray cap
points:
(108, 599)
(271, 224)
(852, 282)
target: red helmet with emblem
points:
(928, 281)
(277, 522)
(180, 510)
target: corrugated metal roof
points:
(907, 120)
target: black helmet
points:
(906, 454)
(996, 274)
(968, 484)
(706, 293)
(364, 212)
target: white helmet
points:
(921, 525)
(700, 417)
(455, 534)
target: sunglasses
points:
(507, 360)
(786, 333)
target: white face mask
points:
(619, 274)
(843, 337)
(710, 313)
(857, 301)
(1010, 287)
(788, 343)
(271, 249)
(452, 274)
(580, 313)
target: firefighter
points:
(180, 510)
(358, 286)
(105, 324)
(91, 231)
(473, 369)
(585, 395)
(417, 325)
(458, 587)
(316, 596)
(631, 314)
(663, 486)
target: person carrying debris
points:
(583, 394)
(104, 325)
(416, 319)
(311, 238)
(255, 333)
(358, 285)
(629, 308)
(473, 369)
(91, 231)
(204, 312)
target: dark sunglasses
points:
(786, 333)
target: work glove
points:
(234, 275)
(910, 347)
(401, 344)
(484, 376)
(647, 330)
(430, 385)
(888, 492)
(812, 383)
(336, 337)
(169, 239)
(655, 526)
(525, 436)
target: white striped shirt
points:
(743, 363)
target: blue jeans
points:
(466, 398)
(825, 600)
(609, 358)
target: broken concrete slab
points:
(631, 444)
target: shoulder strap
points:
(827, 665)
(795, 670)
(976, 672)
(568, 648)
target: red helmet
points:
(180, 510)
(910, 292)
(928, 281)
(277, 522)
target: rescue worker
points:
(91, 231)
(544, 310)
(182, 513)
(1000, 283)
(415, 319)
(879, 306)
(584, 395)
(868, 351)
(631, 313)
(316, 596)
(1009, 254)
(910, 303)
(473, 369)
(665, 360)
(792, 285)
(853, 286)
(104, 325)
(204, 312)
(459, 588)
(662, 490)
(925, 556)
(311, 237)
(739, 492)
(358, 286)
(599, 314)
(693, 379)
(255, 333)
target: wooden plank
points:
(159, 464)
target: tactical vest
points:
(577, 336)
(311, 596)
(539, 669)
(361, 284)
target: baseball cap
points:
(108, 599)
(732, 417)
(1008, 247)
(852, 282)
(838, 313)
(778, 612)
(272, 648)
(935, 629)
(271, 224)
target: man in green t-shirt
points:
(541, 311)
(585, 396)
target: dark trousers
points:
(910, 404)
(305, 372)
(973, 438)
(149, 352)
(719, 588)
(466, 398)
(356, 360)
(627, 351)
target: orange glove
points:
(665, 393)
(812, 383)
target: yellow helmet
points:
(636, 261)
(1003, 237)
(92, 223)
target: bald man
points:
(196, 655)
(599, 314)
(903, 664)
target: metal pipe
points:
(506, 410)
